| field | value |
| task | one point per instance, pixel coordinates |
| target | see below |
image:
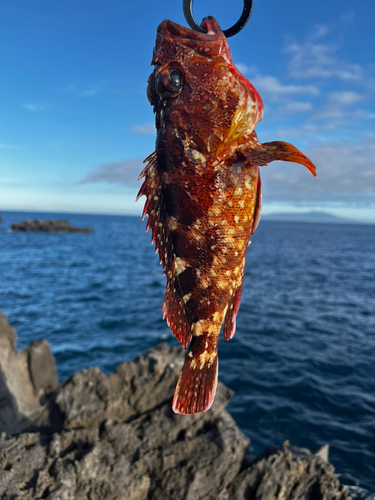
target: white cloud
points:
(292, 107)
(274, 89)
(320, 30)
(284, 133)
(34, 107)
(346, 19)
(344, 172)
(122, 172)
(90, 91)
(318, 60)
(336, 107)
(246, 69)
(345, 98)
(146, 129)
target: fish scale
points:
(203, 193)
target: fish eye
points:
(175, 79)
(169, 82)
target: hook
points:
(187, 8)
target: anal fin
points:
(258, 205)
(230, 317)
(176, 317)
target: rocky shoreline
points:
(48, 226)
(115, 437)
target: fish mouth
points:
(210, 44)
(176, 30)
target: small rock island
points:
(48, 226)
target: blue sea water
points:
(302, 361)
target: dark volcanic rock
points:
(89, 397)
(287, 473)
(118, 438)
(26, 378)
(49, 226)
(121, 439)
(42, 367)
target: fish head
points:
(197, 93)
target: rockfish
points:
(203, 193)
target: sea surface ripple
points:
(301, 362)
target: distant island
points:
(48, 226)
(313, 216)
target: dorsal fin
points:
(155, 208)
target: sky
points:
(75, 123)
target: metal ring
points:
(187, 8)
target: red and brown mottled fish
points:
(203, 193)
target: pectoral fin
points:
(271, 151)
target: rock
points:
(280, 473)
(26, 378)
(124, 461)
(48, 226)
(74, 465)
(8, 336)
(125, 441)
(323, 453)
(89, 397)
(118, 438)
(42, 367)
(199, 464)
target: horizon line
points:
(340, 220)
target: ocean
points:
(302, 361)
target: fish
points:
(203, 193)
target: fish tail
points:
(196, 387)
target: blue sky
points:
(75, 122)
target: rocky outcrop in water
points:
(48, 226)
(116, 437)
